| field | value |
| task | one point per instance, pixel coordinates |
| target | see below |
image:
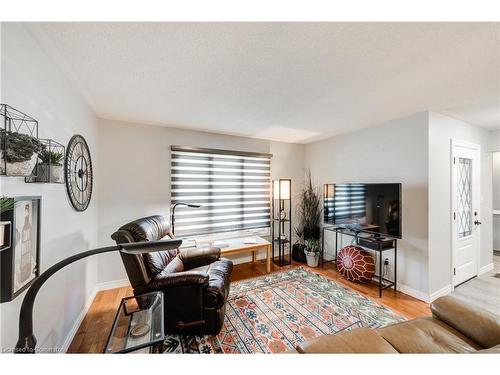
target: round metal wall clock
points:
(78, 173)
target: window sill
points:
(205, 239)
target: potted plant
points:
(298, 247)
(51, 166)
(6, 204)
(312, 253)
(19, 153)
(310, 209)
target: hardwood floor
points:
(93, 332)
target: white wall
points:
(392, 152)
(32, 83)
(288, 162)
(441, 130)
(135, 174)
(494, 143)
(496, 200)
(496, 180)
(495, 146)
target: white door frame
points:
(477, 185)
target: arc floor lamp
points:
(172, 210)
(26, 342)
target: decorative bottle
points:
(26, 246)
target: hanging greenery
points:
(6, 204)
(51, 157)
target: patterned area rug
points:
(272, 313)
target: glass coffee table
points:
(138, 325)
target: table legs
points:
(395, 266)
(323, 248)
(336, 245)
(268, 258)
(380, 274)
(322, 253)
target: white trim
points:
(465, 144)
(441, 292)
(112, 284)
(99, 287)
(71, 334)
(486, 269)
(413, 292)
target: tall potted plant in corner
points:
(310, 209)
(309, 215)
(6, 204)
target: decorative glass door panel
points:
(464, 220)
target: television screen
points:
(373, 208)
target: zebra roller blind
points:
(233, 189)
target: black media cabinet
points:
(368, 241)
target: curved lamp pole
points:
(172, 215)
(26, 342)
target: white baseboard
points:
(99, 287)
(413, 292)
(112, 284)
(441, 292)
(71, 335)
(485, 269)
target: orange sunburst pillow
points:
(355, 264)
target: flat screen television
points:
(374, 208)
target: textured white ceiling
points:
(294, 82)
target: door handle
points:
(477, 222)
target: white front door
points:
(465, 193)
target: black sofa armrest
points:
(171, 280)
(192, 258)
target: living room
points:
(250, 187)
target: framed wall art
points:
(20, 263)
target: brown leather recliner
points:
(195, 282)
(456, 326)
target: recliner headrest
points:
(151, 228)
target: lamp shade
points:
(282, 188)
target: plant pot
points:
(298, 254)
(312, 258)
(312, 233)
(50, 173)
(20, 169)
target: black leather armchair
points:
(195, 282)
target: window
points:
(232, 188)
